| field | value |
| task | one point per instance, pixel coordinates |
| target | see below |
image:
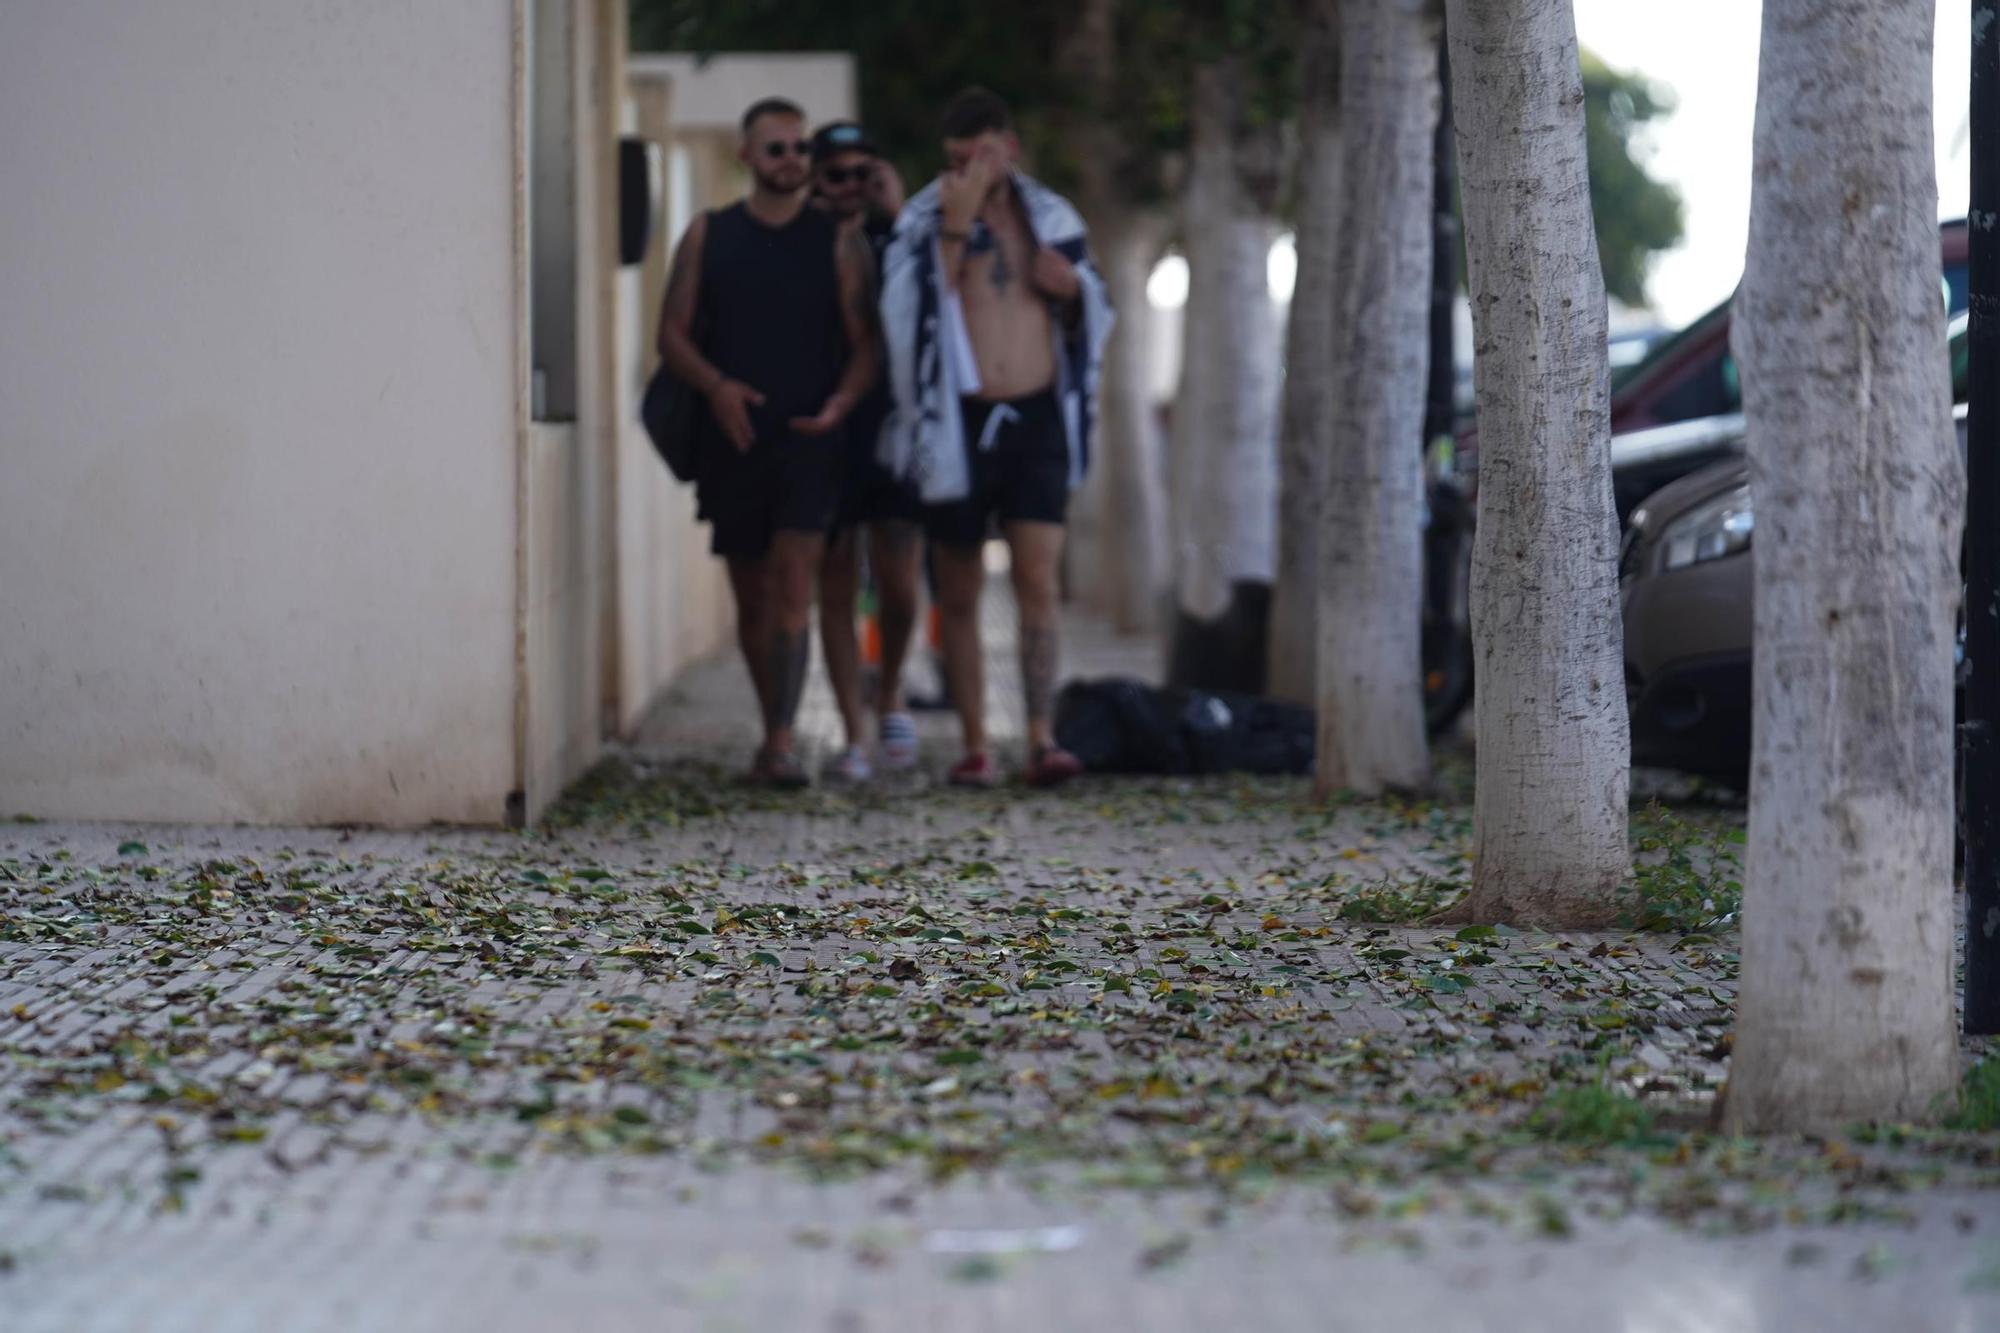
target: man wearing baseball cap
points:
(861, 191)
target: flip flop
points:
(975, 770)
(778, 769)
(1051, 766)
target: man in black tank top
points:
(770, 315)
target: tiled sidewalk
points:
(711, 714)
(1129, 1056)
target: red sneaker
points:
(975, 770)
(1051, 766)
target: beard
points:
(842, 205)
(783, 178)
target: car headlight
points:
(1709, 531)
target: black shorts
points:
(870, 493)
(791, 484)
(1022, 475)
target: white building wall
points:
(674, 602)
(257, 452)
(712, 92)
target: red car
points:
(1689, 378)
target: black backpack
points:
(673, 411)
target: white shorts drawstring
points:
(1001, 414)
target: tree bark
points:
(1224, 463)
(1845, 1007)
(1132, 480)
(1554, 761)
(1120, 545)
(1306, 435)
(1370, 598)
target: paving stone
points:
(370, 1201)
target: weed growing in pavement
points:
(616, 791)
(1391, 903)
(1685, 878)
(1979, 1098)
(1591, 1113)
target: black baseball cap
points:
(841, 136)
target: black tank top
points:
(771, 299)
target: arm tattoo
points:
(787, 658)
(1038, 670)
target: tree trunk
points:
(1845, 1008)
(1119, 547)
(1441, 400)
(1370, 661)
(1554, 762)
(1306, 437)
(1225, 465)
(1132, 479)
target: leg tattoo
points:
(786, 657)
(1038, 670)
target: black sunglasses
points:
(842, 175)
(798, 147)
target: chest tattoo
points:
(1002, 272)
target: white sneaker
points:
(852, 766)
(898, 732)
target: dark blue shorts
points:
(1021, 475)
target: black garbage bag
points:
(1126, 726)
(1243, 733)
(1117, 725)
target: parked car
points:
(1693, 375)
(1628, 350)
(1686, 582)
(1685, 585)
(1675, 411)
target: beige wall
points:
(712, 92)
(257, 361)
(278, 539)
(562, 686)
(674, 605)
(674, 597)
(570, 635)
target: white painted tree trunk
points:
(1131, 472)
(1845, 1007)
(1370, 660)
(1118, 532)
(1554, 760)
(1225, 466)
(1306, 429)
